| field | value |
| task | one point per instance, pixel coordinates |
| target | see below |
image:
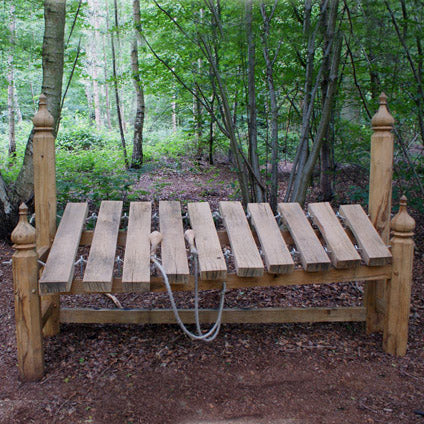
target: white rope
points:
(213, 332)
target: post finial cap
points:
(43, 118)
(402, 221)
(24, 232)
(382, 120)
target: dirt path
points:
(323, 373)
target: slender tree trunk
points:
(326, 165)
(93, 60)
(308, 100)
(258, 195)
(118, 103)
(273, 106)
(11, 83)
(137, 155)
(18, 113)
(174, 111)
(106, 86)
(305, 174)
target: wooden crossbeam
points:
(233, 316)
(233, 281)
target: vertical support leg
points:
(395, 336)
(379, 204)
(27, 300)
(45, 198)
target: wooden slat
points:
(312, 254)
(340, 249)
(277, 257)
(211, 259)
(233, 316)
(247, 259)
(174, 256)
(136, 271)
(59, 270)
(99, 271)
(373, 251)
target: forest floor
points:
(294, 373)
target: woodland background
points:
(260, 86)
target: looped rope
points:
(213, 332)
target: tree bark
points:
(11, 83)
(326, 163)
(273, 105)
(302, 171)
(258, 195)
(137, 155)
(52, 58)
(304, 175)
(115, 78)
(93, 60)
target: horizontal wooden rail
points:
(87, 237)
(297, 277)
(229, 316)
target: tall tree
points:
(269, 65)
(255, 176)
(11, 82)
(53, 59)
(307, 154)
(137, 155)
(115, 83)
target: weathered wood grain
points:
(211, 259)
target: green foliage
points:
(165, 143)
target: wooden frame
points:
(387, 297)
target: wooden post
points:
(29, 338)
(379, 204)
(45, 198)
(395, 336)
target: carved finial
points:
(43, 120)
(403, 224)
(382, 120)
(23, 236)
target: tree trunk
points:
(137, 155)
(93, 60)
(106, 86)
(8, 210)
(11, 84)
(304, 175)
(274, 107)
(115, 78)
(258, 195)
(52, 55)
(326, 165)
(308, 101)
(174, 112)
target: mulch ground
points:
(320, 373)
